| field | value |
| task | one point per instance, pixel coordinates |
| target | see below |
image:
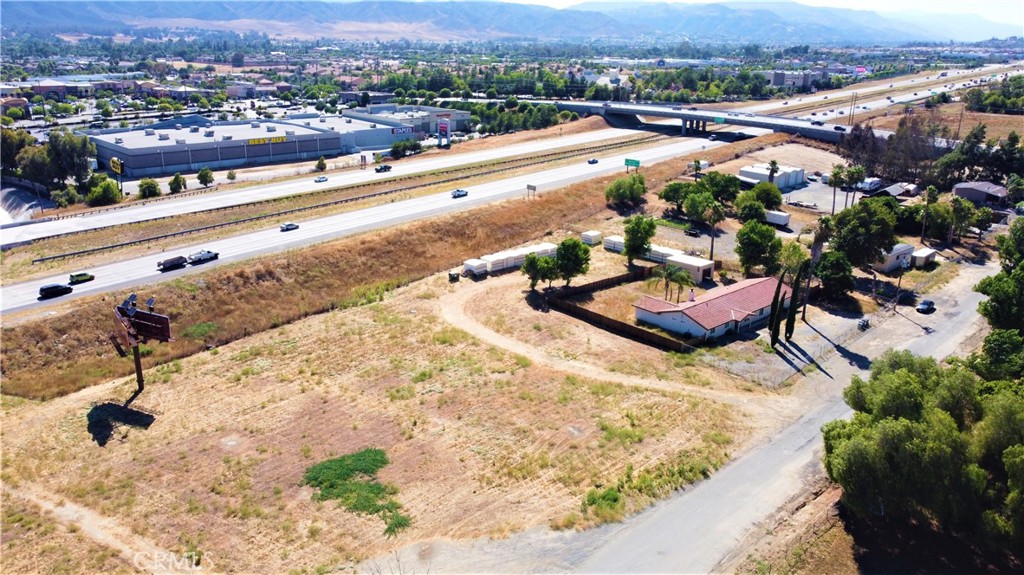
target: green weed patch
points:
(351, 479)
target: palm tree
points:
(681, 278)
(822, 230)
(854, 175)
(836, 179)
(714, 214)
(773, 168)
(658, 274)
(931, 195)
(696, 169)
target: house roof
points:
(987, 187)
(721, 305)
(900, 249)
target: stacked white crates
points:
(615, 243)
(661, 253)
(497, 261)
(474, 266)
(592, 237)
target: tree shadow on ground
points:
(537, 301)
(104, 419)
(854, 358)
(919, 547)
(845, 306)
(793, 348)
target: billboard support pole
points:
(138, 369)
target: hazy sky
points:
(1002, 11)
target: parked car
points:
(320, 179)
(202, 256)
(817, 123)
(289, 226)
(382, 168)
(926, 306)
(54, 290)
(80, 277)
(692, 233)
(839, 129)
(592, 161)
(460, 193)
(712, 137)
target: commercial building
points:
(191, 143)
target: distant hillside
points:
(768, 23)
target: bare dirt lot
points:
(496, 414)
(997, 126)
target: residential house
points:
(898, 256)
(742, 306)
(981, 193)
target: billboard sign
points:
(442, 128)
(116, 166)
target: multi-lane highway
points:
(171, 207)
(138, 271)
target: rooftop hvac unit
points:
(373, 125)
(289, 132)
(254, 125)
(271, 128)
(194, 129)
(209, 125)
(165, 136)
(226, 137)
(150, 131)
(208, 133)
(348, 120)
(307, 123)
(332, 128)
(322, 120)
(179, 141)
(118, 140)
(177, 126)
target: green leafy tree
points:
(231, 175)
(539, 269)
(756, 245)
(696, 205)
(766, 193)
(676, 193)
(205, 176)
(724, 187)
(177, 183)
(639, 231)
(35, 165)
(748, 208)
(572, 259)
(835, 273)
(321, 163)
(1004, 308)
(963, 216)
(792, 258)
(12, 142)
(626, 191)
(149, 188)
(104, 194)
(70, 156)
(864, 232)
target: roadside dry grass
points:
(36, 542)
(52, 356)
(482, 442)
(997, 126)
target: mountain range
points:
(773, 23)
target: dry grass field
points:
(497, 415)
(997, 126)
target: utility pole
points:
(853, 107)
(958, 124)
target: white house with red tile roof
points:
(741, 306)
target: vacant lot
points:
(953, 117)
(496, 414)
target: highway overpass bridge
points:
(694, 121)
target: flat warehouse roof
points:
(339, 123)
(137, 138)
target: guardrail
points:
(584, 151)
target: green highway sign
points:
(719, 120)
(632, 163)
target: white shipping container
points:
(474, 266)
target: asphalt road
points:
(139, 271)
(170, 207)
(704, 528)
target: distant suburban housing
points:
(742, 306)
(981, 192)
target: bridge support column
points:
(703, 125)
(683, 127)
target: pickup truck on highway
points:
(382, 168)
(202, 256)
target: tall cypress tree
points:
(794, 300)
(773, 319)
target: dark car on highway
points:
(172, 263)
(382, 168)
(926, 306)
(54, 290)
(592, 161)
